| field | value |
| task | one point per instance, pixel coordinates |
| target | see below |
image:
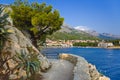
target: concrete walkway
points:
(60, 70)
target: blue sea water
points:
(107, 61)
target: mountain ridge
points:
(71, 33)
(97, 34)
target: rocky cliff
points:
(15, 43)
(82, 69)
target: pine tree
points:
(38, 19)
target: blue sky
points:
(99, 15)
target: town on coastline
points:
(113, 44)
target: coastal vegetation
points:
(30, 63)
(71, 36)
(38, 20)
(88, 44)
(3, 32)
(115, 42)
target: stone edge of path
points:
(82, 69)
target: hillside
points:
(105, 36)
(108, 36)
(68, 33)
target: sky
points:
(99, 15)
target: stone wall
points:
(83, 70)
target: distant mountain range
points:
(69, 33)
(99, 35)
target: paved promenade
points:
(60, 70)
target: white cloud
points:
(82, 28)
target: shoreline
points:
(69, 47)
(114, 47)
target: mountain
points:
(68, 33)
(107, 36)
(75, 33)
(89, 31)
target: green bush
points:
(28, 62)
(83, 44)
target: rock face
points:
(17, 42)
(83, 70)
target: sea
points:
(107, 61)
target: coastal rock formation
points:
(83, 70)
(16, 43)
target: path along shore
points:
(61, 70)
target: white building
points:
(105, 44)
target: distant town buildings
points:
(61, 43)
(105, 44)
(69, 43)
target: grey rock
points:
(17, 42)
(82, 69)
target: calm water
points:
(107, 61)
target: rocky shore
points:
(114, 47)
(82, 69)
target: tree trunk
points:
(31, 36)
(34, 42)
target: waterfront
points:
(106, 60)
